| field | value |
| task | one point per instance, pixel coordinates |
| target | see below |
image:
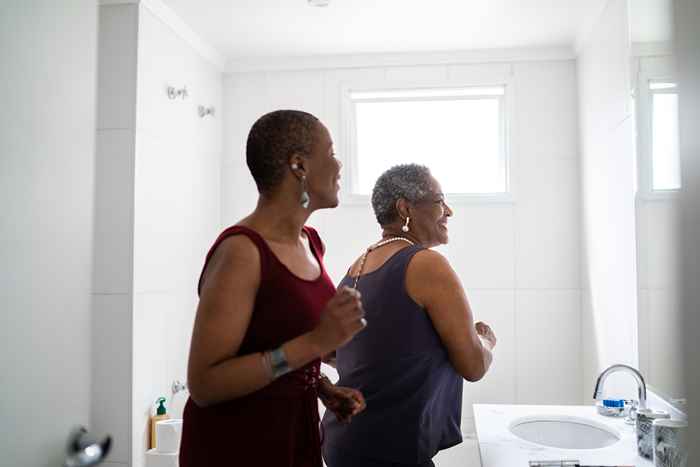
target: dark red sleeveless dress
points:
(277, 426)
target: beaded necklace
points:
(374, 247)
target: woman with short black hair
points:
(268, 313)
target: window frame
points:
(644, 110)
(349, 133)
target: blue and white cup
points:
(670, 443)
(645, 436)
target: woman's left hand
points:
(343, 402)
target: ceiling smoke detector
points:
(319, 3)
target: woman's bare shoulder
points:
(428, 274)
(236, 255)
(429, 262)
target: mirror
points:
(657, 198)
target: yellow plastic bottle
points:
(160, 415)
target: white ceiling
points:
(244, 29)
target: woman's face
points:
(429, 217)
(323, 171)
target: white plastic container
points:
(168, 434)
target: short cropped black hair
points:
(273, 138)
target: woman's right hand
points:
(486, 333)
(340, 320)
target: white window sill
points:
(661, 195)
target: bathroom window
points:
(665, 157)
(459, 133)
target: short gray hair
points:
(408, 181)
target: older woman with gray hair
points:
(420, 341)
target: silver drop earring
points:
(304, 194)
(405, 226)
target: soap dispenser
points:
(160, 415)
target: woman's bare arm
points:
(215, 371)
(433, 284)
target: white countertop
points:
(501, 448)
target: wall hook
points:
(178, 386)
(175, 93)
(204, 111)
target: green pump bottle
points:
(160, 415)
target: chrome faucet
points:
(641, 385)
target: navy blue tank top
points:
(413, 393)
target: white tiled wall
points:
(499, 386)
(519, 261)
(177, 210)
(483, 238)
(658, 219)
(548, 342)
(116, 86)
(114, 211)
(609, 277)
(158, 209)
(660, 347)
(548, 223)
(659, 245)
(114, 224)
(111, 374)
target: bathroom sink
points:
(564, 432)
